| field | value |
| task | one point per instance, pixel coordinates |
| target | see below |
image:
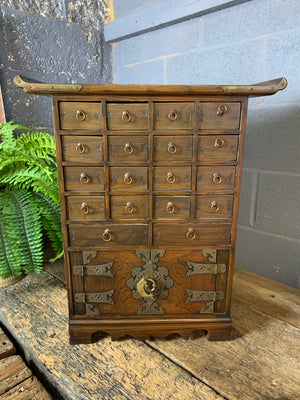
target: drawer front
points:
(216, 148)
(215, 206)
(128, 148)
(127, 179)
(108, 235)
(170, 116)
(85, 207)
(129, 117)
(129, 207)
(80, 115)
(82, 148)
(215, 178)
(171, 207)
(172, 178)
(213, 234)
(84, 178)
(173, 148)
(214, 115)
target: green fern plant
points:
(29, 199)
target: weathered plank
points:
(13, 370)
(35, 311)
(6, 347)
(30, 389)
(270, 297)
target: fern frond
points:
(7, 133)
(38, 146)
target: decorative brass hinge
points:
(203, 295)
(101, 297)
(198, 268)
(100, 269)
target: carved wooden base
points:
(92, 331)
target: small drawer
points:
(214, 115)
(128, 179)
(170, 116)
(128, 117)
(215, 178)
(82, 148)
(173, 148)
(128, 148)
(191, 234)
(172, 178)
(84, 178)
(171, 207)
(214, 206)
(216, 148)
(80, 115)
(85, 207)
(108, 235)
(129, 207)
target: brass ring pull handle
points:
(127, 179)
(214, 206)
(126, 116)
(172, 148)
(217, 179)
(81, 148)
(219, 142)
(128, 148)
(84, 208)
(170, 177)
(106, 235)
(146, 287)
(172, 115)
(222, 109)
(84, 178)
(190, 234)
(80, 115)
(129, 207)
(170, 208)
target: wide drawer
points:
(108, 235)
(215, 178)
(128, 179)
(129, 207)
(171, 207)
(216, 148)
(212, 234)
(172, 178)
(173, 148)
(214, 206)
(80, 115)
(127, 148)
(85, 207)
(82, 148)
(171, 116)
(214, 115)
(127, 116)
(84, 178)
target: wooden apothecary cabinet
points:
(149, 180)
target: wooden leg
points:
(219, 333)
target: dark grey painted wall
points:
(58, 41)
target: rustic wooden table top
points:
(262, 361)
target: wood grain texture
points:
(30, 389)
(215, 178)
(127, 148)
(173, 116)
(13, 370)
(217, 148)
(211, 118)
(85, 207)
(80, 115)
(173, 148)
(214, 206)
(6, 346)
(128, 179)
(127, 117)
(82, 149)
(84, 178)
(172, 178)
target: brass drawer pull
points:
(214, 206)
(190, 234)
(219, 142)
(106, 235)
(126, 116)
(127, 179)
(81, 148)
(84, 208)
(172, 148)
(222, 109)
(217, 179)
(129, 207)
(80, 115)
(170, 208)
(146, 287)
(128, 148)
(84, 178)
(172, 115)
(170, 177)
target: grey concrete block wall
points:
(50, 41)
(238, 42)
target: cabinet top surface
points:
(258, 89)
